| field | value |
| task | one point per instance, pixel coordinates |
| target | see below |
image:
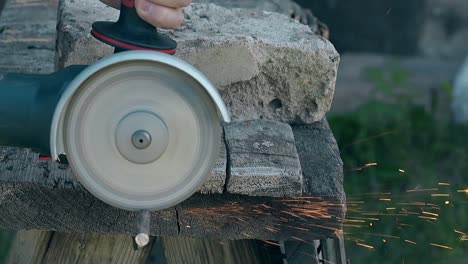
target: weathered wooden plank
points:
(93, 248)
(263, 159)
(54, 247)
(23, 165)
(29, 247)
(201, 251)
(257, 168)
(44, 195)
(27, 42)
(36, 194)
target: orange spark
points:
(364, 245)
(365, 166)
(299, 239)
(409, 241)
(266, 206)
(464, 236)
(406, 225)
(444, 183)
(422, 190)
(429, 213)
(353, 220)
(428, 218)
(413, 203)
(381, 235)
(408, 212)
(272, 243)
(377, 193)
(349, 225)
(365, 218)
(441, 246)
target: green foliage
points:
(403, 136)
(386, 80)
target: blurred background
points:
(400, 117)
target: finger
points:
(159, 16)
(172, 3)
(113, 3)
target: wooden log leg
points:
(29, 246)
(205, 251)
(333, 250)
(55, 247)
(298, 252)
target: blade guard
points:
(56, 137)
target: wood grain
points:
(201, 251)
(27, 36)
(93, 248)
(29, 247)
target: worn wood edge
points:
(281, 175)
(46, 197)
(28, 206)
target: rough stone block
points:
(322, 167)
(285, 7)
(263, 160)
(287, 74)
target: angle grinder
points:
(141, 129)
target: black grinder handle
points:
(131, 32)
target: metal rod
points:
(143, 228)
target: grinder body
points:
(27, 106)
(141, 129)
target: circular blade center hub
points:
(141, 139)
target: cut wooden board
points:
(45, 195)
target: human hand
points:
(160, 13)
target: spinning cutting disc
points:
(141, 134)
